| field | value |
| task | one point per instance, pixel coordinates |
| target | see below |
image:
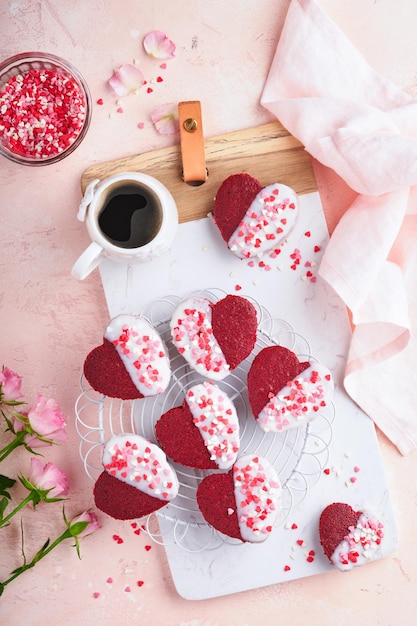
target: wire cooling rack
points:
(297, 454)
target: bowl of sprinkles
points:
(45, 108)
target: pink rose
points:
(10, 384)
(87, 516)
(47, 420)
(48, 478)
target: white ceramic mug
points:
(130, 217)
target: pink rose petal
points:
(158, 45)
(165, 119)
(127, 79)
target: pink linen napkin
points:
(362, 126)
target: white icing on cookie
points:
(216, 418)
(192, 334)
(267, 221)
(300, 401)
(142, 351)
(361, 545)
(141, 464)
(257, 492)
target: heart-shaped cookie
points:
(137, 478)
(132, 361)
(203, 433)
(350, 538)
(253, 219)
(243, 503)
(285, 393)
(214, 337)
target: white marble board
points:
(292, 291)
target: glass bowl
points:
(45, 108)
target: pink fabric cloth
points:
(362, 126)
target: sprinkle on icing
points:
(216, 418)
(142, 352)
(267, 221)
(192, 333)
(258, 495)
(137, 462)
(360, 545)
(300, 401)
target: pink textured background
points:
(47, 318)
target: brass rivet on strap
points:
(190, 124)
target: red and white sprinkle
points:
(360, 545)
(42, 113)
(270, 217)
(192, 334)
(299, 401)
(137, 462)
(215, 416)
(142, 351)
(257, 491)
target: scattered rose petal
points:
(158, 45)
(141, 125)
(126, 80)
(163, 66)
(287, 568)
(100, 101)
(147, 548)
(165, 119)
(96, 594)
(140, 583)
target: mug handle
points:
(88, 261)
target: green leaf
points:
(39, 554)
(3, 506)
(5, 484)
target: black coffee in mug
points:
(130, 215)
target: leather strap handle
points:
(194, 170)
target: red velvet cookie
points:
(203, 433)
(253, 219)
(349, 538)
(245, 502)
(285, 393)
(137, 478)
(132, 361)
(214, 337)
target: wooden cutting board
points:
(268, 153)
